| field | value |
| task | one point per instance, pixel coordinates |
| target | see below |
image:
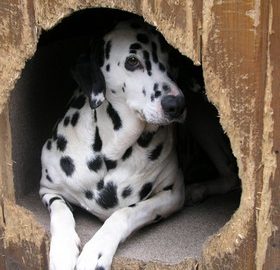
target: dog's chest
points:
(81, 172)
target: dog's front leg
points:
(98, 253)
(123, 139)
(65, 242)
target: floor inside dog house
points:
(40, 98)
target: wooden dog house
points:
(236, 41)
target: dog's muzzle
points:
(173, 106)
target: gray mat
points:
(172, 240)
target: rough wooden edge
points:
(130, 264)
(6, 171)
(25, 241)
(18, 41)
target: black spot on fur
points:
(95, 116)
(49, 145)
(100, 184)
(152, 97)
(108, 49)
(145, 139)
(89, 194)
(110, 164)
(127, 153)
(53, 199)
(161, 67)
(108, 196)
(61, 143)
(154, 52)
(156, 87)
(168, 187)
(158, 218)
(157, 94)
(146, 55)
(132, 205)
(95, 164)
(133, 51)
(147, 62)
(135, 46)
(66, 121)
(126, 192)
(142, 38)
(146, 189)
(75, 118)
(144, 91)
(99, 255)
(49, 178)
(67, 165)
(113, 91)
(117, 122)
(97, 146)
(108, 67)
(155, 153)
(79, 102)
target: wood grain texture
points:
(233, 67)
(268, 210)
(18, 38)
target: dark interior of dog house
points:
(40, 98)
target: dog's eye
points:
(132, 63)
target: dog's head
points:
(132, 64)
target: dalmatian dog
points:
(113, 151)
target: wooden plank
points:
(179, 22)
(6, 163)
(25, 241)
(234, 64)
(268, 219)
(18, 35)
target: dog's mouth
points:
(163, 121)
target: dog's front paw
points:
(96, 255)
(64, 251)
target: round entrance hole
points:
(40, 98)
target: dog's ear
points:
(88, 75)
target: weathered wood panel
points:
(268, 211)
(234, 64)
(18, 37)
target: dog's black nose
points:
(173, 106)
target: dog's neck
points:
(131, 127)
